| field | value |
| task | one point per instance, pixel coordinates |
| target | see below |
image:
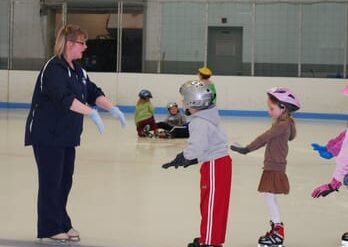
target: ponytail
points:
(67, 33)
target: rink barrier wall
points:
(226, 113)
(241, 96)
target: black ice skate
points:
(345, 240)
(274, 238)
(164, 134)
(196, 243)
(147, 131)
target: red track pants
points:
(216, 179)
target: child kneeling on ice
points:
(144, 115)
(207, 144)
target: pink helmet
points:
(285, 97)
(345, 91)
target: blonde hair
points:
(67, 33)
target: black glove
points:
(180, 160)
(187, 112)
(241, 150)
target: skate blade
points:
(272, 245)
(53, 242)
(74, 239)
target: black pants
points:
(176, 131)
(55, 168)
(164, 125)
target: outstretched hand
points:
(96, 119)
(322, 150)
(326, 189)
(241, 150)
(180, 160)
(116, 113)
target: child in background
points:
(207, 144)
(144, 115)
(204, 75)
(175, 125)
(281, 103)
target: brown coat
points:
(276, 141)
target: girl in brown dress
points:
(281, 103)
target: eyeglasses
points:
(80, 42)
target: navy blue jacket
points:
(50, 121)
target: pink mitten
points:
(326, 189)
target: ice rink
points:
(121, 197)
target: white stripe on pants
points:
(211, 203)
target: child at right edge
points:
(340, 174)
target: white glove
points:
(116, 113)
(95, 117)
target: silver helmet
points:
(172, 104)
(196, 95)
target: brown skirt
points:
(275, 182)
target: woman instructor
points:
(63, 94)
